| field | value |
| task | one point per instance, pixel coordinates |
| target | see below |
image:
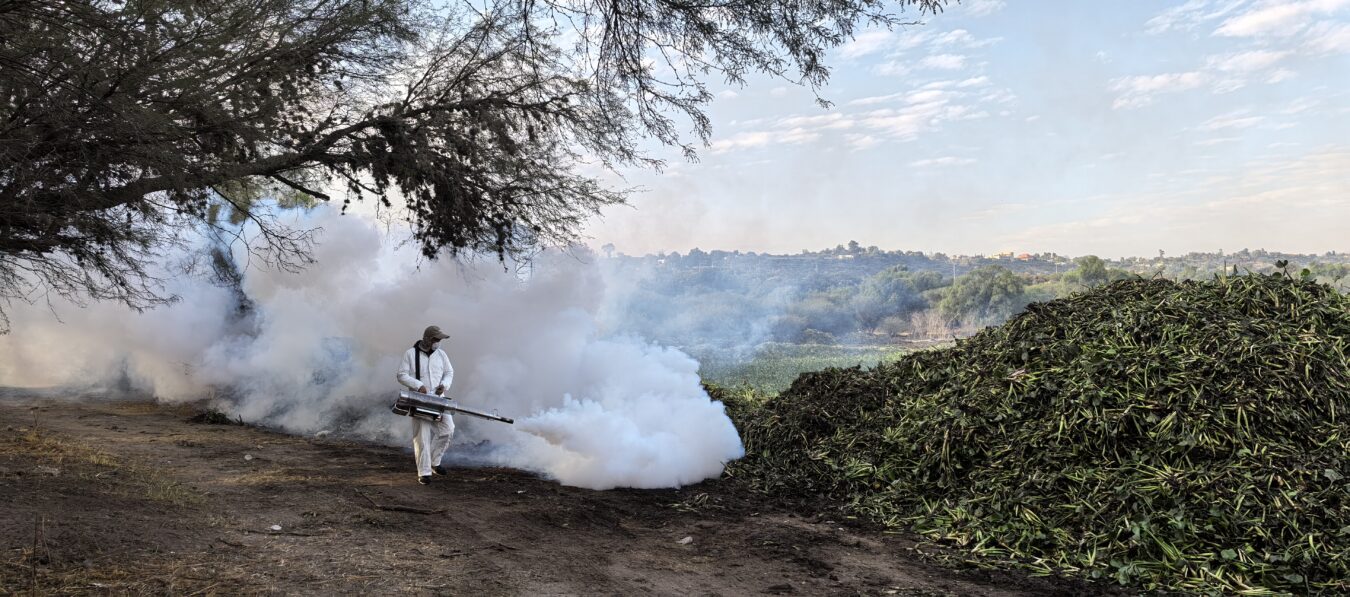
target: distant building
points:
(1024, 257)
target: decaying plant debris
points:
(1186, 436)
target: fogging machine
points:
(432, 407)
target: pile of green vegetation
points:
(1190, 436)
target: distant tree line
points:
(719, 297)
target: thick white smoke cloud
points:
(318, 351)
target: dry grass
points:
(32, 442)
(96, 466)
(144, 578)
(270, 477)
(39, 568)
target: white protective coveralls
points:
(430, 438)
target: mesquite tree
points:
(124, 123)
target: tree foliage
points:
(1091, 270)
(123, 122)
(893, 292)
(987, 293)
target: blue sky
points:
(1111, 128)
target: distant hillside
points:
(866, 296)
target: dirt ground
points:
(122, 497)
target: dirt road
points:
(130, 497)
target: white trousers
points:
(430, 441)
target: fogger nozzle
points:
(433, 407)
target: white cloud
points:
(755, 139)
(1232, 120)
(910, 121)
(942, 162)
(893, 68)
(955, 36)
(980, 8)
(941, 46)
(1280, 19)
(1146, 84)
(1280, 75)
(998, 96)
(1191, 14)
(863, 122)
(1245, 62)
(1328, 38)
(1299, 105)
(876, 99)
(834, 120)
(924, 110)
(744, 140)
(861, 142)
(1277, 18)
(778, 91)
(1139, 90)
(943, 61)
(793, 130)
(897, 43)
(728, 94)
(894, 43)
(926, 95)
(1227, 84)
(900, 125)
(932, 92)
(910, 39)
(866, 43)
(1279, 30)
(796, 135)
(962, 39)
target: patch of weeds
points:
(117, 477)
(212, 416)
(693, 504)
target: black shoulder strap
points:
(417, 362)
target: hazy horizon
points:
(685, 251)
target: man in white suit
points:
(426, 366)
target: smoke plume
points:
(317, 350)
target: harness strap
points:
(417, 362)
